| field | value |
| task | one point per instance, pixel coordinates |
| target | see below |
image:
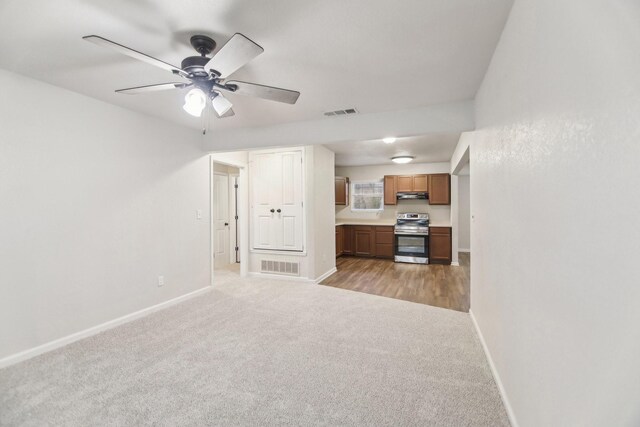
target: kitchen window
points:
(367, 196)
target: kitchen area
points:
(394, 235)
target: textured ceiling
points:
(374, 55)
(425, 148)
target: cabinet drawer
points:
(384, 237)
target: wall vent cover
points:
(280, 267)
(344, 112)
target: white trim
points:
(494, 371)
(455, 263)
(325, 275)
(274, 276)
(464, 250)
(278, 252)
(61, 342)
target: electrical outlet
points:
(160, 281)
(199, 214)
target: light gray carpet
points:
(265, 352)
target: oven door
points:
(412, 248)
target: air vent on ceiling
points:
(280, 267)
(344, 112)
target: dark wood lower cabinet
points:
(365, 241)
(439, 245)
(385, 242)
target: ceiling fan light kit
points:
(207, 76)
(402, 159)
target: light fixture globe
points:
(402, 159)
(194, 102)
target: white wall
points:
(555, 274)
(437, 214)
(95, 202)
(464, 213)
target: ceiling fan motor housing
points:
(195, 65)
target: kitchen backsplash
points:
(437, 214)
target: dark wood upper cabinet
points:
(440, 189)
(420, 183)
(390, 184)
(405, 183)
(439, 245)
(342, 190)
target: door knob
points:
(226, 223)
(279, 211)
(272, 210)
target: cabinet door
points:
(420, 183)
(289, 210)
(277, 182)
(390, 182)
(339, 240)
(440, 189)
(342, 190)
(364, 241)
(264, 174)
(405, 183)
(347, 240)
(440, 245)
(384, 242)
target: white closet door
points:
(290, 230)
(264, 179)
(277, 187)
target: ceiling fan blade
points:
(236, 52)
(101, 41)
(153, 88)
(265, 92)
(221, 105)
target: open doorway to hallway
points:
(225, 217)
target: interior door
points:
(265, 179)
(221, 220)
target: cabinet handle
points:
(272, 210)
(279, 210)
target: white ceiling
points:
(375, 55)
(430, 148)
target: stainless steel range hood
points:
(412, 195)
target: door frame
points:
(243, 213)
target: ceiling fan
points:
(207, 76)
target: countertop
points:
(382, 222)
(355, 221)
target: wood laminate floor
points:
(438, 285)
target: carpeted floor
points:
(265, 352)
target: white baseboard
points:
(61, 342)
(455, 263)
(496, 376)
(325, 275)
(464, 250)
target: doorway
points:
(226, 230)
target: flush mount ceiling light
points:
(389, 140)
(401, 159)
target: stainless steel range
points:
(412, 238)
